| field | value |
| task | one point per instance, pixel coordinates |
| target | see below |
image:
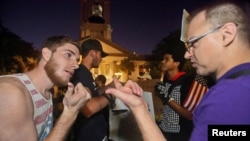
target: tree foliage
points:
(16, 55)
(127, 65)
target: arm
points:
(146, 124)
(180, 110)
(166, 97)
(191, 91)
(74, 99)
(96, 104)
(16, 112)
(131, 94)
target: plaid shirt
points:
(193, 95)
(170, 121)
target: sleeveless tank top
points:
(43, 108)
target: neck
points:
(172, 73)
(86, 63)
(38, 74)
(234, 58)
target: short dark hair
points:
(54, 42)
(173, 46)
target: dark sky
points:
(138, 25)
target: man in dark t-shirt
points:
(91, 123)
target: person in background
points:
(100, 80)
(176, 123)
(91, 123)
(26, 101)
(144, 77)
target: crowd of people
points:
(217, 43)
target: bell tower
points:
(95, 19)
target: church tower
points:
(95, 23)
(95, 19)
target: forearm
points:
(147, 125)
(180, 110)
(62, 126)
(94, 105)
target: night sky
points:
(138, 25)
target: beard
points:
(95, 63)
(50, 69)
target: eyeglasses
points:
(190, 43)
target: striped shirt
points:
(43, 108)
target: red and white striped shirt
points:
(43, 108)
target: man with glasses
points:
(190, 43)
(218, 45)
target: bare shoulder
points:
(13, 92)
(16, 110)
(11, 84)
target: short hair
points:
(177, 55)
(173, 46)
(54, 42)
(223, 11)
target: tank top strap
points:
(43, 108)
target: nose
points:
(188, 54)
(76, 66)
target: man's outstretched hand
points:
(130, 93)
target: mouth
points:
(193, 64)
(69, 72)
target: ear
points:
(229, 33)
(46, 54)
(177, 64)
(92, 53)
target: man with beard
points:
(91, 123)
(26, 101)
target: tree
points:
(127, 65)
(16, 55)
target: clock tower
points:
(95, 19)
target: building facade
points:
(95, 23)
